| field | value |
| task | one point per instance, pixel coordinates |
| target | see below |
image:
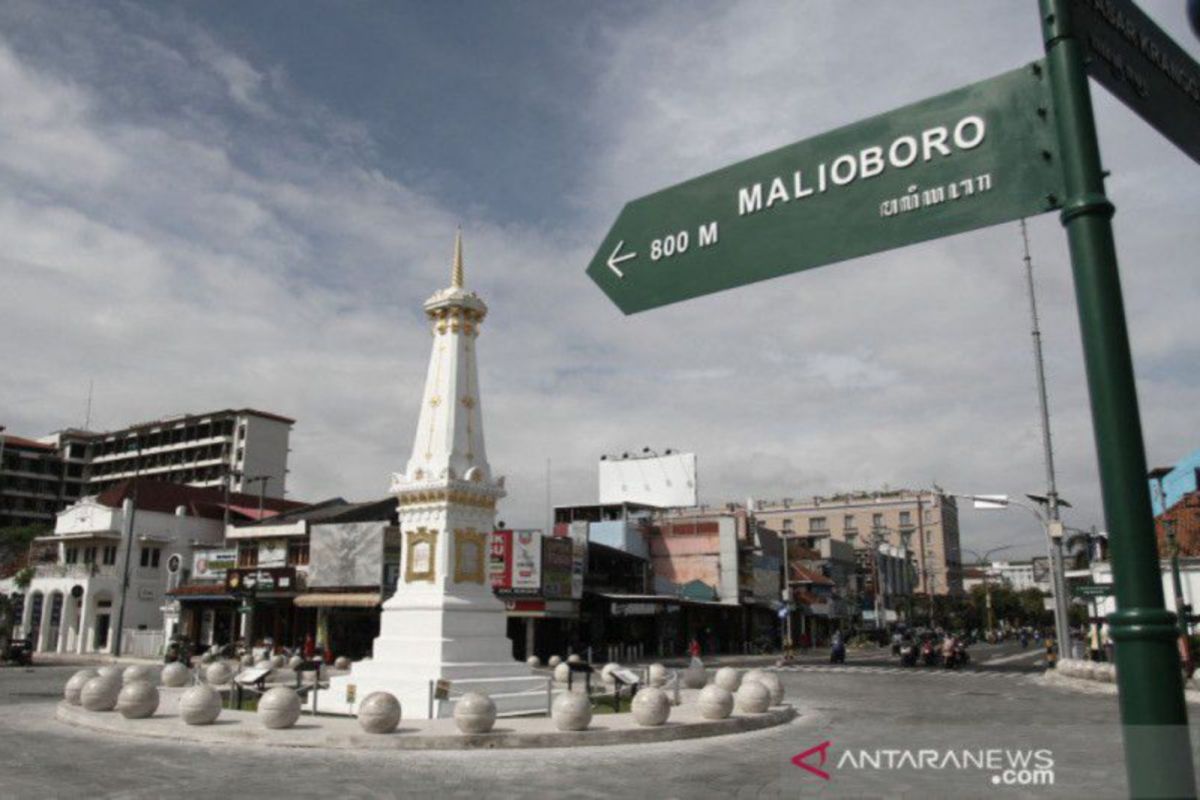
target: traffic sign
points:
(1092, 590)
(1139, 63)
(980, 155)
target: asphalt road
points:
(869, 710)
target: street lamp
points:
(1047, 514)
(987, 587)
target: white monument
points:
(443, 622)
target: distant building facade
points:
(923, 523)
(40, 477)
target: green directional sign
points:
(1092, 590)
(980, 155)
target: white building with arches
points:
(73, 601)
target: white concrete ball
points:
(100, 693)
(109, 671)
(137, 700)
(137, 672)
(658, 675)
(474, 713)
(200, 705)
(533, 662)
(553, 662)
(651, 706)
(561, 673)
(752, 675)
(728, 679)
(278, 662)
(279, 708)
(218, 674)
(341, 662)
(294, 662)
(753, 697)
(715, 702)
(379, 712)
(247, 660)
(774, 686)
(175, 674)
(75, 685)
(695, 677)
(606, 672)
(574, 658)
(572, 711)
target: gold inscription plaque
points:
(469, 548)
(420, 558)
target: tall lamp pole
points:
(130, 512)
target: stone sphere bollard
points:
(75, 685)
(553, 662)
(651, 706)
(379, 712)
(218, 674)
(574, 658)
(278, 662)
(606, 673)
(752, 675)
(715, 702)
(175, 675)
(753, 697)
(137, 672)
(774, 686)
(294, 662)
(658, 675)
(561, 673)
(695, 676)
(279, 708)
(475, 713)
(137, 700)
(728, 679)
(533, 662)
(571, 711)
(100, 693)
(109, 671)
(200, 705)
(341, 662)
(247, 660)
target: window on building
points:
(817, 524)
(248, 554)
(877, 520)
(71, 556)
(110, 554)
(848, 522)
(788, 525)
(297, 553)
(89, 555)
(150, 557)
(905, 518)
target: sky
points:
(224, 204)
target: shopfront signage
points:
(634, 609)
(980, 155)
(527, 560)
(211, 565)
(557, 562)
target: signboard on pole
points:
(1139, 63)
(579, 557)
(500, 560)
(1092, 590)
(557, 557)
(980, 155)
(526, 561)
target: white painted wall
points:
(266, 452)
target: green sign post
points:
(1158, 757)
(1092, 590)
(980, 155)
(1013, 146)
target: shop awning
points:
(338, 600)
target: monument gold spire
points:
(456, 274)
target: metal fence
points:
(143, 644)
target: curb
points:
(249, 730)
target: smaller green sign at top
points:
(977, 156)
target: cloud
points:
(192, 229)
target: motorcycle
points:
(929, 654)
(838, 654)
(908, 655)
(960, 653)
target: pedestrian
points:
(694, 648)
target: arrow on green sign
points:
(980, 155)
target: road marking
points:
(1017, 657)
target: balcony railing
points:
(75, 570)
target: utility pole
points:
(1058, 581)
(129, 512)
(261, 480)
(1158, 753)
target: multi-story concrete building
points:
(40, 477)
(924, 523)
(1021, 575)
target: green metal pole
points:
(1157, 749)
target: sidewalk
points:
(86, 660)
